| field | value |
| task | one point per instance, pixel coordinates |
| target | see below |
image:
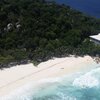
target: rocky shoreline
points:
(22, 62)
(97, 59)
(8, 65)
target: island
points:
(37, 30)
(41, 41)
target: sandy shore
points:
(17, 76)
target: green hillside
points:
(37, 30)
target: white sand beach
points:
(17, 76)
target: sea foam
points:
(65, 97)
(87, 80)
(22, 93)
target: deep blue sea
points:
(76, 86)
(89, 7)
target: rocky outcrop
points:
(8, 65)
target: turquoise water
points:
(77, 86)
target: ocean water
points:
(76, 86)
(89, 7)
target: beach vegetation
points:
(38, 30)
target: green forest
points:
(37, 30)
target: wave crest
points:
(86, 81)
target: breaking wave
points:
(77, 86)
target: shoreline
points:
(17, 76)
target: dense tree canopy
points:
(38, 30)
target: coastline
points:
(17, 76)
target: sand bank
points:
(17, 76)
